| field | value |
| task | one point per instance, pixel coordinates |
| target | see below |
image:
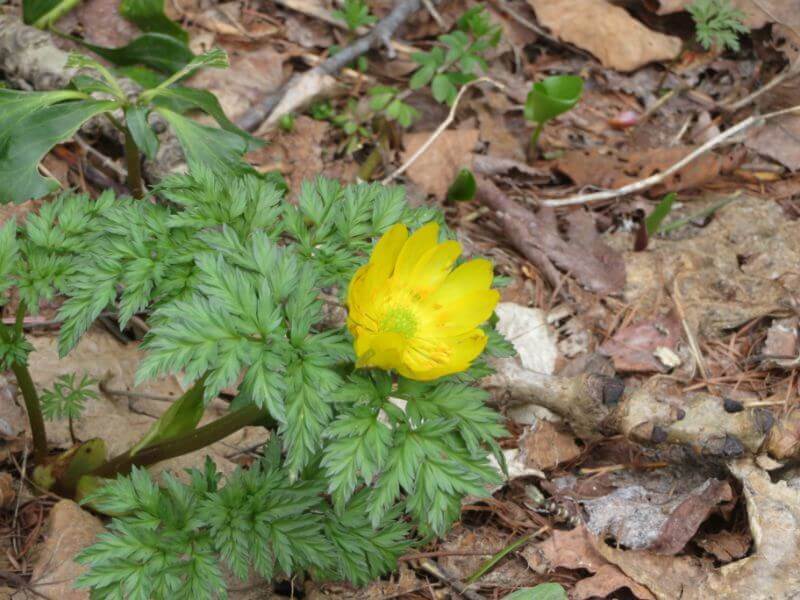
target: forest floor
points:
(699, 319)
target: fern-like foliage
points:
(67, 398)
(233, 277)
(717, 23)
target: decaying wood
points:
(31, 61)
(659, 414)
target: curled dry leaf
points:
(612, 171)
(724, 545)
(527, 329)
(609, 32)
(545, 446)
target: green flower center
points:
(399, 319)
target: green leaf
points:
(148, 15)
(660, 212)
(204, 100)
(422, 76)
(181, 417)
(141, 132)
(442, 88)
(543, 591)
(216, 149)
(463, 188)
(157, 50)
(24, 142)
(552, 96)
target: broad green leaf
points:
(161, 52)
(25, 141)
(441, 87)
(463, 187)
(543, 591)
(207, 102)
(552, 96)
(217, 149)
(422, 76)
(16, 105)
(149, 16)
(215, 58)
(145, 77)
(141, 132)
(660, 212)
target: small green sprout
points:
(286, 123)
(463, 187)
(355, 14)
(549, 98)
(717, 23)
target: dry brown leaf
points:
(770, 573)
(545, 446)
(8, 490)
(781, 347)
(606, 171)
(574, 549)
(607, 580)
(251, 76)
(296, 154)
(726, 546)
(779, 139)
(609, 32)
(436, 169)
(633, 347)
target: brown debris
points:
(613, 171)
(724, 545)
(609, 32)
(436, 170)
(545, 446)
(634, 348)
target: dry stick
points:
(643, 184)
(790, 72)
(439, 130)
(380, 34)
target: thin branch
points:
(273, 106)
(643, 184)
(439, 130)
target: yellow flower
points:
(410, 311)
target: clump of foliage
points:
(717, 23)
(355, 14)
(549, 98)
(233, 277)
(31, 123)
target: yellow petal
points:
(466, 313)
(471, 276)
(422, 240)
(434, 266)
(386, 251)
(464, 350)
(385, 351)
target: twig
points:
(435, 14)
(790, 72)
(439, 130)
(274, 106)
(643, 184)
(432, 568)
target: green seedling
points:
(463, 187)
(550, 98)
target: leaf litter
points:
(719, 290)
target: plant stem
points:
(184, 444)
(31, 398)
(134, 164)
(54, 14)
(535, 137)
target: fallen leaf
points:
(574, 549)
(726, 546)
(609, 32)
(781, 347)
(595, 167)
(436, 169)
(544, 446)
(778, 139)
(510, 572)
(297, 154)
(69, 530)
(527, 329)
(494, 131)
(633, 348)
(8, 491)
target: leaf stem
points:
(134, 163)
(27, 388)
(54, 14)
(535, 137)
(184, 444)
